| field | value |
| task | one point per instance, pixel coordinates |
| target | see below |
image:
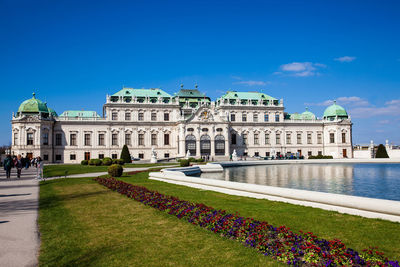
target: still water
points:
(364, 180)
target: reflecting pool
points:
(365, 180)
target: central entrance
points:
(190, 144)
(219, 145)
(205, 145)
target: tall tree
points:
(125, 155)
(381, 152)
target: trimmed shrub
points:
(107, 161)
(184, 162)
(381, 153)
(95, 162)
(125, 156)
(115, 170)
(118, 161)
(84, 162)
(192, 160)
(320, 157)
(200, 160)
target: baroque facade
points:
(252, 123)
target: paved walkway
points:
(19, 202)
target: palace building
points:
(251, 123)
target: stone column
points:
(198, 154)
(226, 136)
(181, 135)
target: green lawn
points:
(83, 223)
(61, 169)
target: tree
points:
(125, 155)
(381, 152)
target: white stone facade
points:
(213, 129)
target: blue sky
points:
(73, 53)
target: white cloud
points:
(384, 122)
(252, 83)
(344, 100)
(345, 59)
(301, 69)
(391, 108)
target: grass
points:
(83, 223)
(70, 169)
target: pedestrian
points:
(27, 162)
(8, 163)
(19, 165)
(39, 166)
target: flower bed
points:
(303, 249)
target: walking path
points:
(19, 203)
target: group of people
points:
(19, 163)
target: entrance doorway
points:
(87, 155)
(344, 153)
(190, 144)
(219, 145)
(205, 145)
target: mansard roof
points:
(247, 96)
(152, 92)
(191, 93)
(80, 113)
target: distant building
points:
(252, 123)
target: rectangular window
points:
(141, 156)
(114, 156)
(45, 157)
(87, 140)
(319, 153)
(233, 117)
(233, 139)
(277, 117)
(256, 154)
(29, 139)
(153, 139)
(166, 139)
(244, 139)
(58, 157)
(299, 138)
(278, 139)
(343, 138)
(128, 139)
(309, 153)
(256, 139)
(309, 138)
(141, 139)
(319, 138)
(267, 138)
(288, 139)
(72, 139)
(15, 139)
(127, 116)
(166, 116)
(45, 139)
(101, 139)
(166, 155)
(101, 156)
(244, 117)
(255, 117)
(140, 116)
(114, 116)
(58, 139)
(153, 116)
(266, 117)
(332, 138)
(114, 139)
(267, 154)
(72, 157)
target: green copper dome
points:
(335, 111)
(33, 105)
(307, 115)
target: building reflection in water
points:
(368, 180)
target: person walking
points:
(19, 165)
(8, 163)
(27, 162)
(39, 166)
